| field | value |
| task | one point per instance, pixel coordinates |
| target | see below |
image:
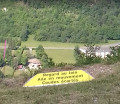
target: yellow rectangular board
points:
(57, 78)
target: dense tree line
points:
(62, 20)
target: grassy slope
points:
(100, 91)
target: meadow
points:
(60, 55)
(33, 43)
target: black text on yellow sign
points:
(57, 78)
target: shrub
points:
(1, 74)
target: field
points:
(60, 56)
(105, 90)
(65, 56)
(32, 43)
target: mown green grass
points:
(100, 91)
(32, 43)
(60, 55)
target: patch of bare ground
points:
(96, 70)
(13, 82)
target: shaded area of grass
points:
(105, 90)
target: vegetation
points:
(7, 71)
(61, 55)
(46, 62)
(99, 91)
(89, 57)
(114, 57)
(33, 43)
(1, 74)
(62, 21)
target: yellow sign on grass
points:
(57, 78)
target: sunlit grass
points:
(32, 43)
(65, 56)
(60, 56)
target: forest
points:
(76, 21)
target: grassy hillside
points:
(105, 90)
(62, 21)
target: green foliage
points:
(61, 64)
(15, 57)
(46, 62)
(8, 71)
(11, 44)
(14, 62)
(114, 56)
(1, 74)
(40, 51)
(8, 57)
(24, 34)
(1, 60)
(77, 21)
(79, 56)
(24, 59)
(86, 58)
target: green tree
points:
(1, 74)
(24, 33)
(44, 60)
(40, 51)
(24, 59)
(14, 62)
(79, 56)
(1, 60)
(8, 57)
(11, 44)
(51, 62)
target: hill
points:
(61, 20)
(103, 90)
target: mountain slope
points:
(74, 21)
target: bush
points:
(114, 56)
(1, 74)
(8, 71)
(61, 64)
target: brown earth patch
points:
(96, 70)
